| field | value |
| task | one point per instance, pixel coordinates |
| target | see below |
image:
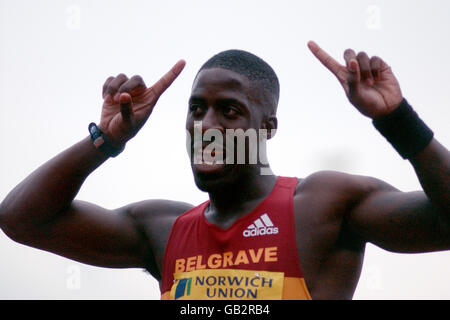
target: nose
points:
(211, 121)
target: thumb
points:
(126, 106)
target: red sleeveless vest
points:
(255, 258)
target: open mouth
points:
(209, 167)
(210, 158)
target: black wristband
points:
(404, 130)
(100, 143)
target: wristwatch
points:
(98, 139)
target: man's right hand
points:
(128, 103)
(41, 211)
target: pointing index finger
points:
(325, 58)
(162, 84)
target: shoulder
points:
(155, 217)
(340, 182)
(344, 188)
(159, 209)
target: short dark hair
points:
(254, 68)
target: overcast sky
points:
(55, 56)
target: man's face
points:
(221, 99)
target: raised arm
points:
(41, 211)
(398, 221)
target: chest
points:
(264, 239)
(258, 251)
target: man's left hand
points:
(369, 83)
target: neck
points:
(231, 202)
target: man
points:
(259, 235)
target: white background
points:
(55, 56)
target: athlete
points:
(259, 236)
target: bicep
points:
(90, 234)
(399, 221)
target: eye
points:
(231, 111)
(196, 109)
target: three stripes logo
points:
(183, 288)
(260, 227)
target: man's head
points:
(233, 90)
(261, 75)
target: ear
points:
(271, 125)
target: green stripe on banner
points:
(188, 290)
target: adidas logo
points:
(261, 226)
